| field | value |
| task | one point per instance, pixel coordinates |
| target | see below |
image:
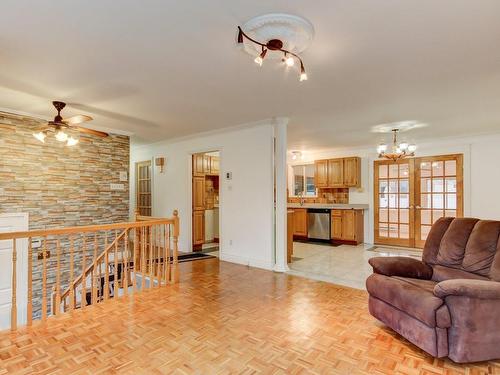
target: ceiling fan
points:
(60, 124)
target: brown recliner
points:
(448, 304)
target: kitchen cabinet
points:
(206, 163)
(289, 236)
(352, 172)
(347, 225)
(321, 173)
(300, 222)
(336, 173)
(214, 165)
(198, 169)
(198, 228)
(198, 193)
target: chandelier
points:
(289, 58)
(398, 151)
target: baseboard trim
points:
(238, 259)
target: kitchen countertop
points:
(330, 206)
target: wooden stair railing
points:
(110, 260)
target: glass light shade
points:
(258, 60)
(303, 77)
(398, 150)
(412, 148)
(294, 157)
(40, 136)
(381, 148)
(403, 146)
(290, 61)
(72, 141)
(61, 136)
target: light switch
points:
(123, 176)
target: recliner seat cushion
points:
(413, 296)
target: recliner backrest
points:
(468, 244)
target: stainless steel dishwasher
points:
(318, 227)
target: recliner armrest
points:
(481, 289)
(401, 266)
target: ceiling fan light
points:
(40, 136)
(61, 136)
(71, 141)
(412, 148)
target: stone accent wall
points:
(60, 186)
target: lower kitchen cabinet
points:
(198, 227)
(300, 222)
(347, 225)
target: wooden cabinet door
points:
(198, 165)
(321, 173)
(198, 193)
(206, 164)
(352, 172)
(300, 222)
(336, 227)
(198, 227)
(349, 225)
(336, 173)
(214, 165)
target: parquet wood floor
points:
(224, 319)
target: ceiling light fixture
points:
(273, 45)
(296, 155)
(398, 151)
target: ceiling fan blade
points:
(91, 131)
(78, 119)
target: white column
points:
(280, 181)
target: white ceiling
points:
(163, 69)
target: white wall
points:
(246, 201)
(481, 173)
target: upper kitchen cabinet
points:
(198, 165)
(206, 163)
(336, 173)
(321, 173)
(352, 172)
(214, 165)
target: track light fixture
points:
(274, 45)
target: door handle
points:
(418, 207)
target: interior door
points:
(13, 223)
(438, 192)
(394, 202)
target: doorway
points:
(412, 194)
(205, 202)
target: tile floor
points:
(343, 265)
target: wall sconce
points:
(160, 162)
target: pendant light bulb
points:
(303, 75)
(260, 59)
(289, 60)
(40, 136)
(71, 141)
(61, 136)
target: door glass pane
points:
(450, 168)
(425, 201)
(451, 213)
(451, 201)
(393, 200)
(383, 171)
(393, 186)
(383, 186)
(436, 214)
(437, 185)
(404, 186)
(383, 201)
(437, 168)
(383, 215)
(424, 232)
(393, 216)
(393, 171)
(404, 231)
(425, 216)
(383, 230)
(404, 200)
(425, 185)
(403, 170)
(404, 216)
(425, 169)
(437, 200)
(451, 185)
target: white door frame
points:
(13, 222)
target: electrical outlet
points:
(41, 253)
(117, 186)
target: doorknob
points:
(418, 207)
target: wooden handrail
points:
(83, 229)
